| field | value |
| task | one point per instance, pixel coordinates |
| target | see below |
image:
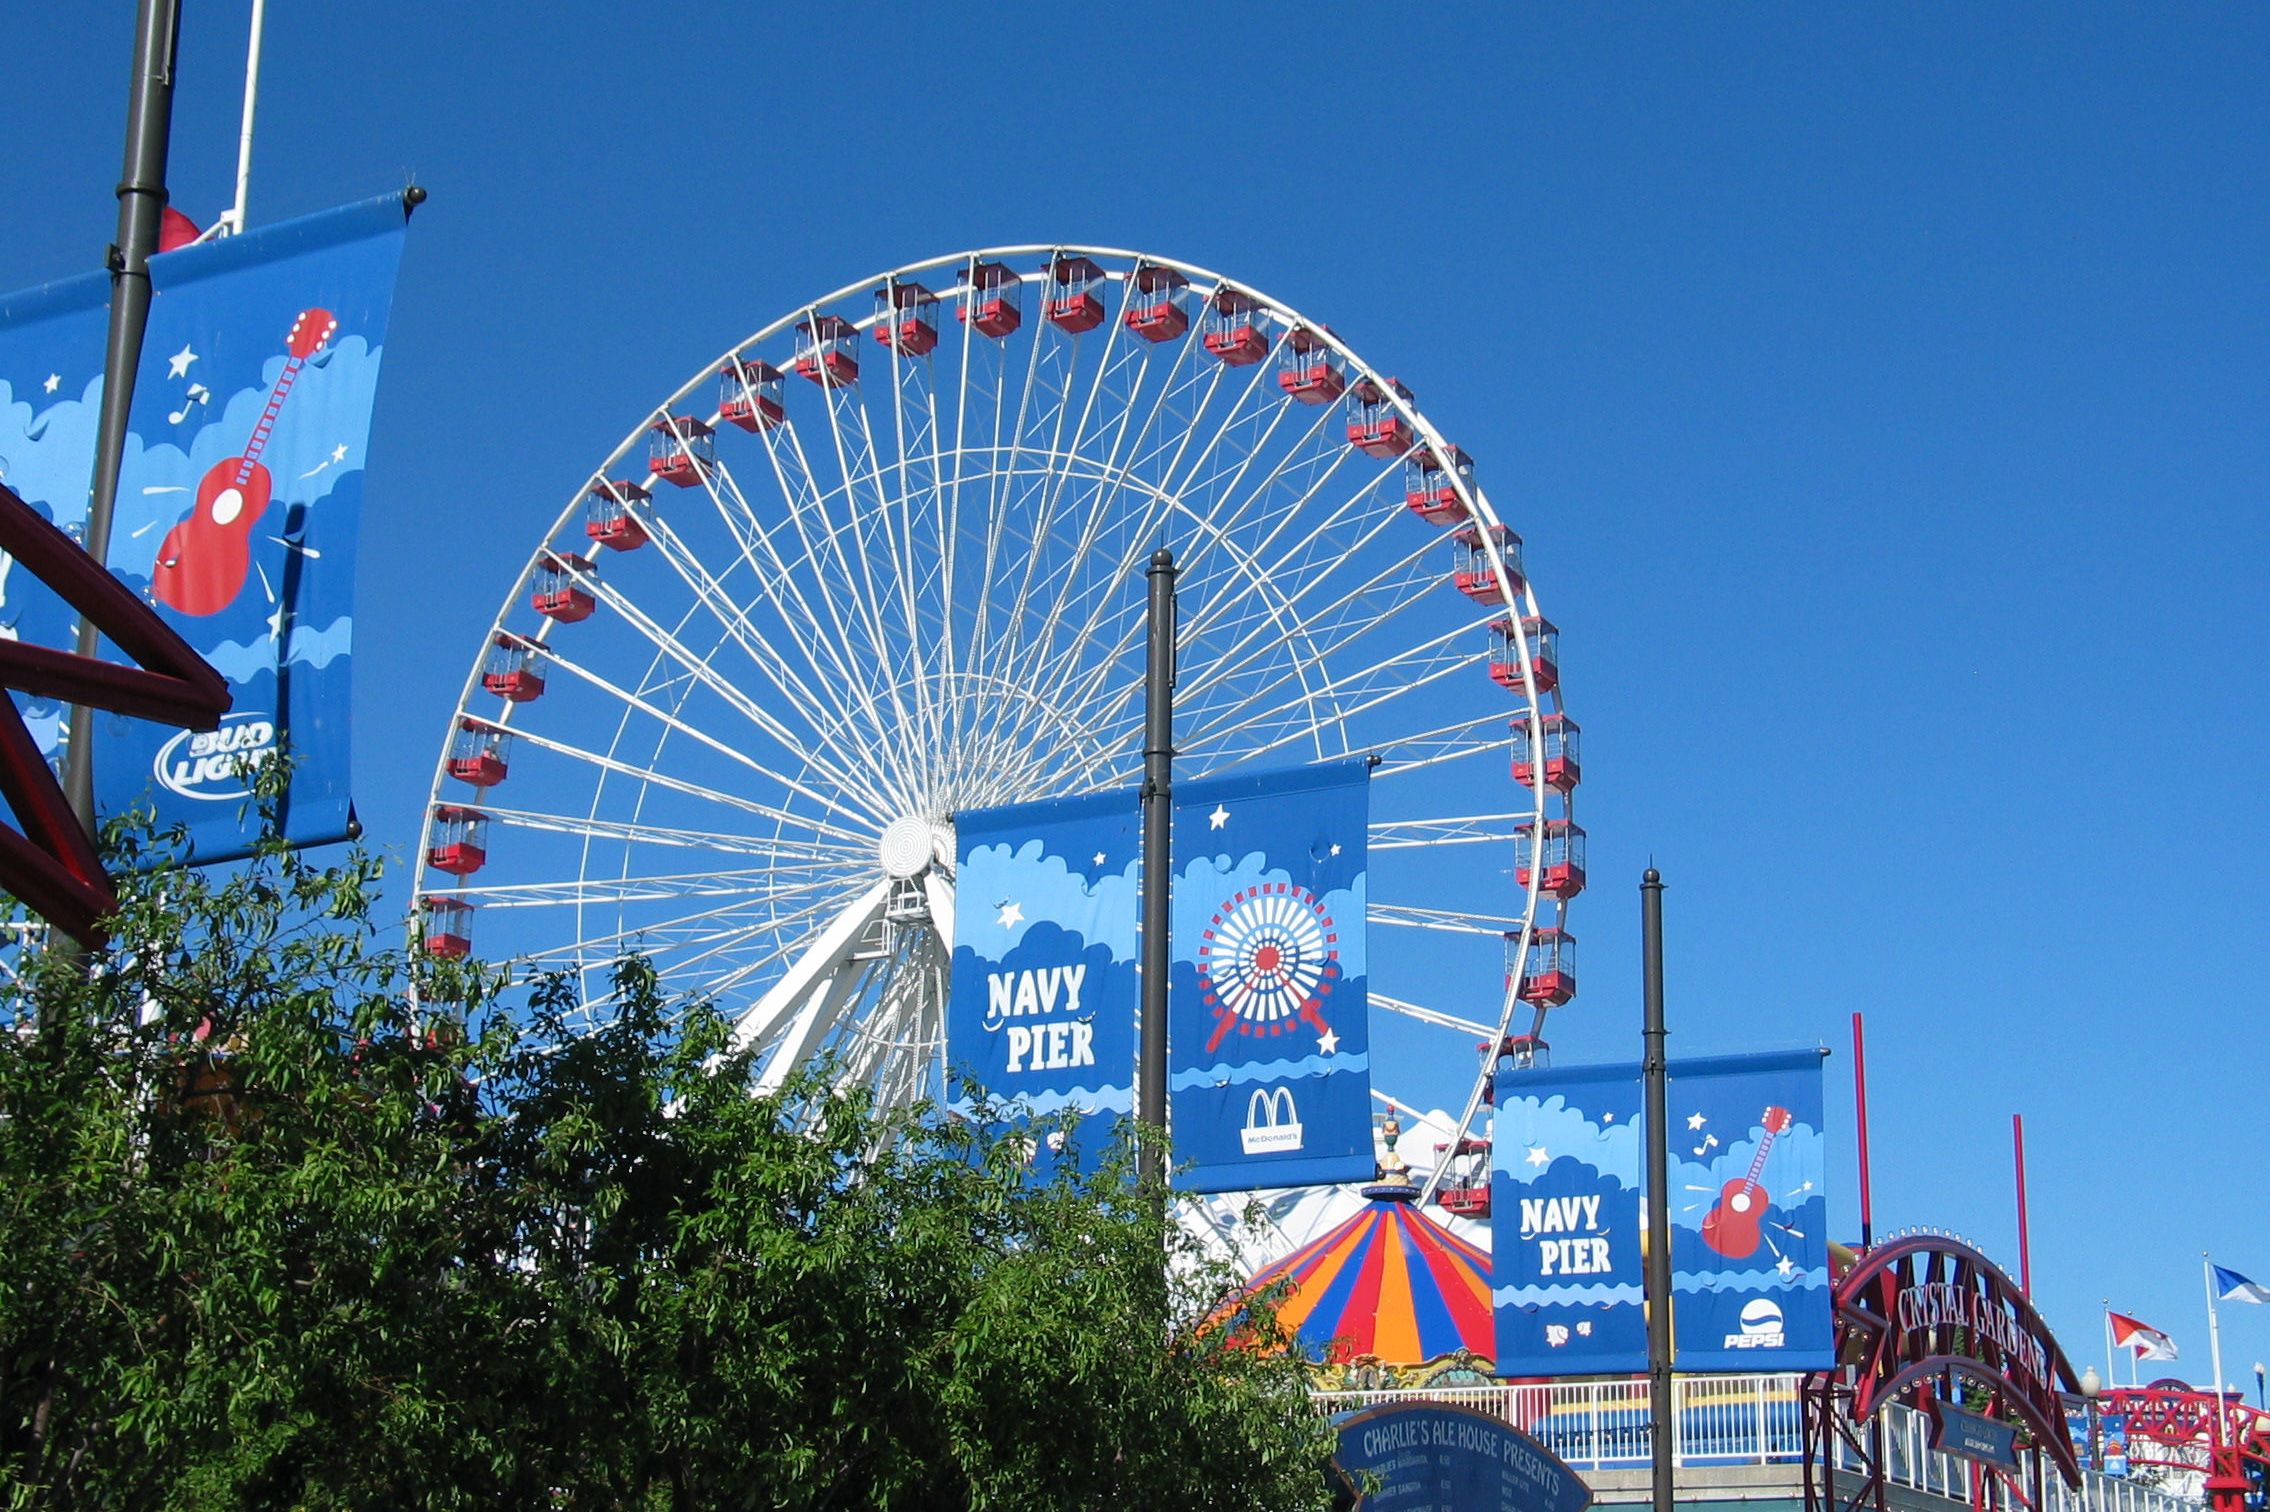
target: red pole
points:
(2025, 1249)
(1860, 1125)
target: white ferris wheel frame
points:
(798, 1010)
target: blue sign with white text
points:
(238, 505)
(1042, 1007)
(1565, 1216)
(1269, 1019)
(1434, 1457)
(1748, 1208)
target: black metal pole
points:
(141, 209)
(1655, 1069)
(1158, 861)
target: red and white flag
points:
(2148, 1342)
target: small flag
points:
(2149, 1342)
(2230, 1286)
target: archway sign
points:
(1434, 1457)
(1928, 1319)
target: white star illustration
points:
(1785, 1267)
(1012, 914)
(1328, 1042)
(1219, 817)
(177, 366)
(339, 452)
(1099, 858)
(276, 621)
(1335, 847)
(1537, 1155)
(1696, 1121)
(1607, 1118)
(54, 382)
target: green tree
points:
(273, 1235)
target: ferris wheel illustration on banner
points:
(882, 562)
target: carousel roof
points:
(1388, 1282)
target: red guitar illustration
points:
(204, 560)
(1732, 1225)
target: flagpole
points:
(2214, 1338)
(2111, 1375)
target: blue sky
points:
(1881, 393)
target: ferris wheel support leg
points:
(804, 991)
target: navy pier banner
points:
(1749, 1210)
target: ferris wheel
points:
(883, 563)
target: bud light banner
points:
(1565, 1222)
(238, 505)
(1041, 1011)
(1269, 1039)
(1748, 1209)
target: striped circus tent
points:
(1388, 1283)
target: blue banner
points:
(1749, 1214)
(1433, 1457)
(1565, 1186)
(1748, 1207)
(1974, 1437)
(1041, 1011)
(1269, 1069)
(239, 499)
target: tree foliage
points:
(273, 1235)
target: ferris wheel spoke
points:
(687, 787)
(888, 513)
(634, 889)
(1431, 1016)
(1444, 920)
(734, 753)
(1474, 829)
(839, 764)
(780, 588)
(1450, 742)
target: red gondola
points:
(511, 672)
(1544, 653)
(1548, 976)
(560, 593)
(1560, 867)
(1375, 427)
(460, 843)
(449, 927)
(1471, 1144)
(608, 518)
(1524, 1050)
(1474, 576)
(1075, 297)
(990, 296)
(748, 394)
(1308, 370)
(681, 450)
(1431, 489)
(827, 351)
(906, 318)
(1233, 328)
(478, 752)
(1159, 307)
(1563, 753)
(1468, 1201)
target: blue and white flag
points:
(2230, 1286)
(1041, 1011)
(1269, 1066)
(239, 499)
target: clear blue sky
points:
(1882, 394)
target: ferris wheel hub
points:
(908, 847)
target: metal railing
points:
(1740, 1420)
